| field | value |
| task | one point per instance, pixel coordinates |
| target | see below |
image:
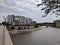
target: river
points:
(45, 36)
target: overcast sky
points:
(27, 8)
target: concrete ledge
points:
(8, 40)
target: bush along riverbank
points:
(57, 26)
(23, 31)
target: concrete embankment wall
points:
(24, 31)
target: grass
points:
(8, 28)
(57, 26)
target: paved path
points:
(2, 37)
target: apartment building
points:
(20, 21)
(10, 19)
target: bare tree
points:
(51, 5)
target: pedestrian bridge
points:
(4, 36)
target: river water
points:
(45, 36)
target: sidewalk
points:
(2, 37)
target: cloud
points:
(17, 6)
(26, 8)
(1, 1)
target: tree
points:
(3, 23)
(50, 5)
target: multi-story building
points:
(10, 19)
(20, 21)
(29, 20)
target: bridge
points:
(4, 36)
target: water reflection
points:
(46, 36)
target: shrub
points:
(8, 28)
(57, 26)
(12, 27)
(36, 26)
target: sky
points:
(27, 8)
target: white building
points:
(29, 20)
(20, 22)
(11, 19)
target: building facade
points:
(20, 21)
(10, 19)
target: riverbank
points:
(23, 31)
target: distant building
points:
(57, 23)
(20, 21)
(10, 19)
